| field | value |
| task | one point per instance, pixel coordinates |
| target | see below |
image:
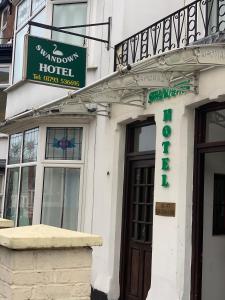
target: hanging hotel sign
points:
(54, 63)
(167, 93)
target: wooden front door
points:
(137, 255)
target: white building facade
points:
(135, 156)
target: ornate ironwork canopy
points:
(130, 85)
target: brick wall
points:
(45, 274)
(45, 263)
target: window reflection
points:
(25, 214)
(15, 145)
(61, 197)
(144, 138)
(30, 145)
(11, 195)
(215, 126)
(62, 16)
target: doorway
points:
(136, 250)
(208, 231)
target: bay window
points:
(44, 176)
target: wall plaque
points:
(165, 209)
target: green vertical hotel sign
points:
(54, 63)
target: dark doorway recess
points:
(136, 248)
(209, 140)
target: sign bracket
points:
(62, 30)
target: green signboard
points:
(167, 93)
(54, 63)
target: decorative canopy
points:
(130, 85)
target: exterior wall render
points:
(103, 194)
(171, 259)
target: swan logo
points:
(57, 56)
(56, 51)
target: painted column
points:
(43, 262)
(171, 258)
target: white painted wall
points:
(213, 271)
(171, 260)
(102, 212)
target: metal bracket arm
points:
(61, 29)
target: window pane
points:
(1, 192)
(23, 12)
(53, 197)
(25, 214)
(39, 18)
(1, 206)
(19, 50)
(61, 197)
(1, 183)
(4, 75)
(30, 145)
(11, 195)
(215, 126)
(70, 15)
(71, 198)
(64, 143)
(37, 4)
(144, 138)
(15, 145)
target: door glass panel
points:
(26, 202)
(61, 197)
(144, 138)
(213, 259)
(11, 195)
(215, 126)
(142, 206)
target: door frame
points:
(129, 158)
(200, 148)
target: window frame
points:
(74, 164)
(20, 165)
